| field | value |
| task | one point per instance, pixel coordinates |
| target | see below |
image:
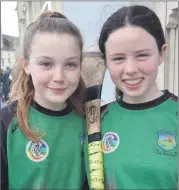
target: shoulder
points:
(174, 98)
(8, 109)
(174, 103)
(107, 106)
(7, 113)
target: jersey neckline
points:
(49, 112)
(146, 105)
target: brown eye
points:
(142, 56)
(118, 59)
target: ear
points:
(163, 53)
(25, 65)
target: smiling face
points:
(133, 58)
(55, 66)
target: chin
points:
(134, 93)
(56, 100)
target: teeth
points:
(133, 82)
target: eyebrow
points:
(138, 51)
(72, 58)
(46, 57)
(116, 54)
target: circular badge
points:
(37, 152)
(110, 142)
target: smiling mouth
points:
(57, 89)
(133, 82)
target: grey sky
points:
(89, 17)
(9, 21)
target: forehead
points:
(130, 38)
(55, 45)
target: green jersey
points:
(54, 163)
(140, 144)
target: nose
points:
(130, 66)
(58, 75)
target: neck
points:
(149, 95)
(49, 105)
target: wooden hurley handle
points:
(94, 144)
(92, 110)
(93, 74)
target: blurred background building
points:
(8, 44)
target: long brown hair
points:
(22, 88)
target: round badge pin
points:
(110, 142)
(37, 152)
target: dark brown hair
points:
(134, 15)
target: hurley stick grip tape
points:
(96, 161)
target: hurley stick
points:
(93, 70)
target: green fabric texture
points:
(55, 163)
(140, 147)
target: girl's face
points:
(55, 66)
(133, 58)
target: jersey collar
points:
(146, 105)
(49, 112)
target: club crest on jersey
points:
(167, 141)
(37, 152)
(110, 142)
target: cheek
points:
(149, 68)
(114, 70)
(42, 78)
(73, 77)
(37, 75)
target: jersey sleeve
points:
(4, 162)
(6, 115)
